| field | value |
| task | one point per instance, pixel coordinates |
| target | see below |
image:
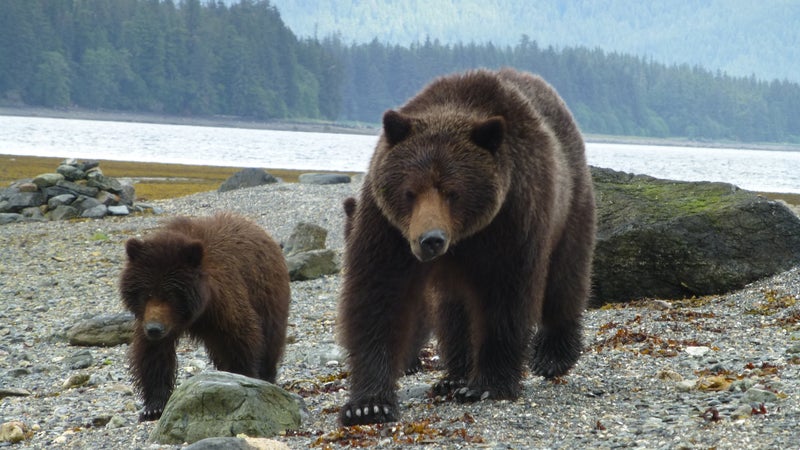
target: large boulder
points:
(670, 239)
(221, 404)
(247, 178)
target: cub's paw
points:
(369, 411)
(150, 414)
(447, 386)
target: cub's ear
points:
(489, 133)
(134, 248)
(192, 253)
(396, 127)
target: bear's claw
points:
(150, 414)
(446, 386)
(369, 412)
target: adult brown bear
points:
(220, 279)
(478, 210)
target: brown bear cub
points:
(223, 281)
(478, 210)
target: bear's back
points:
(237, 252)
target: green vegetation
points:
(198, 58)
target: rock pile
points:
(75, 189)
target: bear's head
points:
(439, 178)
(163, 283)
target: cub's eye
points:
(410, 196)
(451, 196)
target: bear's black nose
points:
(432, 243)
(154, 330)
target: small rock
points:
(247, 178)
(80, 360)
(76, 380)
(106, 330)
(312, 264)
(75, 188)
(63, 212)
(760, 396)
(697, 351)
(96, 212)
(119, 210)
(58, 200)
(28, 187)
(305, 237)
(107, 198)
(101, 420)
(323, 178)
(10, 218)
(71, 173)
(13, 392)
(46, 180)
(742, 412)
(686, 385)
(669, 375)
(116, 421)
(21, 200)
(237, 443)
(13, 432)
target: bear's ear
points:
(489, 133)
(396, 127)
(134, 248)
(192, 253)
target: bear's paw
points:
(368, 411)
(150, 414)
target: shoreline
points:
(167, 180)
(359, 128)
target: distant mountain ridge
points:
(738, 37)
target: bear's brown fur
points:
(478, 210)
(220, 279)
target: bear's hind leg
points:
(153, 365)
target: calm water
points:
(760, 170)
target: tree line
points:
(199, 59)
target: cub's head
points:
(438, 179)
(163, 283)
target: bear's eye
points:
(410, 195)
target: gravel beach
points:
(713, 372)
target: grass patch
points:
(153, 181)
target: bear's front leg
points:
(379, 338)
(153, 365)
(379, 314)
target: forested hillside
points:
(739, 37)
(197, 58)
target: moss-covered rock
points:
(221, 404)
(671, 239)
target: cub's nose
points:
(433, 243)
(154, 330)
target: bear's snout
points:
(154, 330)
(432, 244)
